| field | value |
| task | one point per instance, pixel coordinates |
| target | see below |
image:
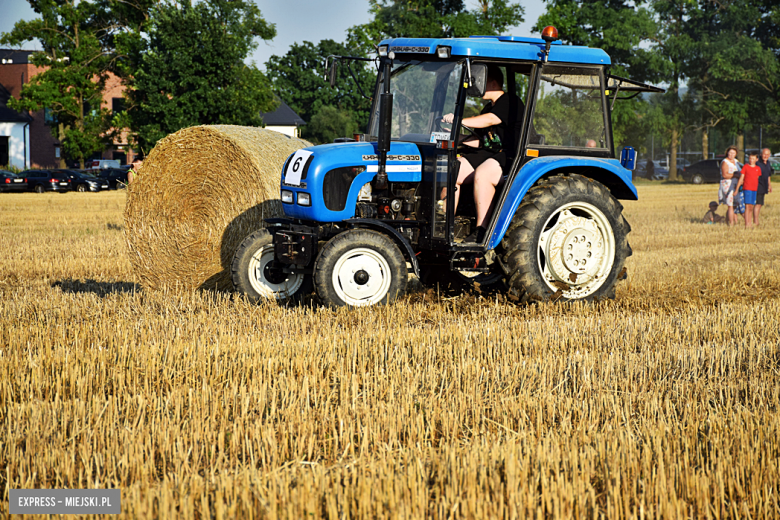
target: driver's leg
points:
(487, 177)
(465, 176)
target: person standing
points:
(728, 167)
(764, 182)
(133, 171)
(748, 181)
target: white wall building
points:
(14, 145)
(283, 120)
(14, 135)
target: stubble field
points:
(660, 404)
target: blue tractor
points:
(362, 213)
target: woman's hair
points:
(731, 148)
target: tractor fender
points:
(398, 238)
(608, 172)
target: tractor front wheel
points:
(568, 240)
(256, 275)
(360, 267)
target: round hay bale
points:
(200, 192)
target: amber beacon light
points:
(549, 35)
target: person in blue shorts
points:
(748, 181)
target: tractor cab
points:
(362, 212)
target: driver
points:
(498, 129)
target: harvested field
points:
(660, 404)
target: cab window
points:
(569, 109)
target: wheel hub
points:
(361, 277)
(576, 251)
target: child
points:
(711, 217)
(748, 181)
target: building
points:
(27, 137)
(283, 120)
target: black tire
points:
(253, 274)
(39, 188)
(697, 178)
(566, 214)
(360, 267)
(81, 188)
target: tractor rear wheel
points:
(568, 240)
(256, 275)
(360, 267)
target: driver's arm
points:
(480, 121)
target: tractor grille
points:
(336, 186)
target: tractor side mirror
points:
(477, 80)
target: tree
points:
(71, 86)
(329, 123)
(299, 78)
(188, 69)
(434, 19)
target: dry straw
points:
(200, 192)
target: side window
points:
(569, 109)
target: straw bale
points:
(200, 192)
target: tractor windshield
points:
(423, 91)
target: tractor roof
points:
(505, 47)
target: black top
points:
(503, 137)
(766, 172)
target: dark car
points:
(83, 181)
(46, 180)
(10, 181)
(116, 177)
(658, 172)
(704, 171)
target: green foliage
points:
(184, 67)
(76, 65)
(300, 79)
(624, 30)
(328, 124)
(435, 19)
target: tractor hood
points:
(333, 174)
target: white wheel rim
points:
(362, 277)
(265, 287)
(577, 249)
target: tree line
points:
(183, 63)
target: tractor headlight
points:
(442, 51)
(304, 199)
(287, 196)
(383, 50)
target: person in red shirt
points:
(748, 181)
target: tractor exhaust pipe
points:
(385, 122)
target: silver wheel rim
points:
(362, 277)
(576, 248)
(265, 287)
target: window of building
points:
(117, 105)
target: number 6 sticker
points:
(295, 167)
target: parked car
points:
(10, 181)
(116, 177)
(659, 172)
(704, 171)
(83, 181)
(45, 180)
(774, 162)
(102, 164)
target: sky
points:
(296, 21)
